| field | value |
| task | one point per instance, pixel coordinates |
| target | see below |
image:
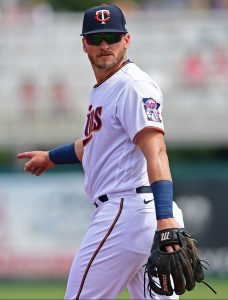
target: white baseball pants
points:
(115, 248)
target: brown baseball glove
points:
(183, 266)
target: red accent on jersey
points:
(87, 140)
(93, 123)
(148, 128)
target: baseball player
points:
(127, 174)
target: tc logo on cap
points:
(102, 16)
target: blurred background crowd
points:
(57, 5)
(45, 81)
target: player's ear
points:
(84, 45)
(127, 39)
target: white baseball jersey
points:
(120, 108)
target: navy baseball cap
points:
(103, 18)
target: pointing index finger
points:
(25, 155)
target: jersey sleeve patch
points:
(151, 109)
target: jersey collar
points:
(123, 64)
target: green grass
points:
(47, 290)
(203, 292)
(29, 290)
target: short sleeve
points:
(139, 107)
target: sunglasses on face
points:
(109, 38)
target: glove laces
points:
(148, 285)
(204, 282)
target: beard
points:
(109, 64)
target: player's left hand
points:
(182, 263)
(169, 223)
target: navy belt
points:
(139, 190)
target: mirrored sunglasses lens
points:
(109, 38)
(94, 39)
(112, 38)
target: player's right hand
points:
(38, 163)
